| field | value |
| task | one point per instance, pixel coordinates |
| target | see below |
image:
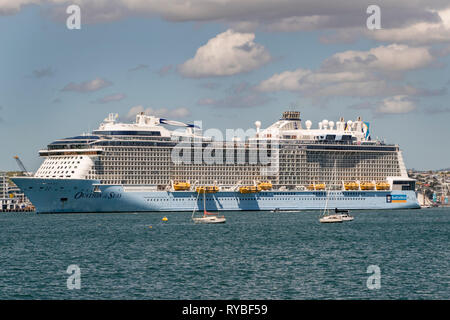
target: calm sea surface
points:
(255, 255)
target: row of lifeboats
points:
(367, 186)
(183, 186)
(316, 186)
(354, 186)
(262, 186)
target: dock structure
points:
(12, 199)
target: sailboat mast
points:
(204, 203)
(327, 187)
(196, 204)
(326, 201)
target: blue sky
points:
(227, 68)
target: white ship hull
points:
(72, 195)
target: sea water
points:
(254, 255)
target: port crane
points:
(21, 166)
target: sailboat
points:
(424, 201)
(208, 217)
(340, 215)
(330, 218)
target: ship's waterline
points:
(125, 167)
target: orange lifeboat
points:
(207, 189)
(180, 186)
(249, 189)
(383, 186)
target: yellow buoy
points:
(165, 219)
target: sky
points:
(227, 63)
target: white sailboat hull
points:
(209, 220)
(333, 218)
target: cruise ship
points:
(156, 164)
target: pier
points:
(12, 199)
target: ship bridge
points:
(75, 157)
(145, 127)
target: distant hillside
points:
(14, 173)
(439, 170)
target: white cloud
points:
(336, 77)
(111, 98)
(371, 88)
(355, 74)
(179, 113)
(389, 58)
(13, 6)
(422, 32)
(396, 105)
(282, 15)
(285, 24)
(312, 83)
(134, 111)
(287, 80)
(138, 67)
(161, 112)
(87, 86)
(419, 21)
(226, 54)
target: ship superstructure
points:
(150, 167)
